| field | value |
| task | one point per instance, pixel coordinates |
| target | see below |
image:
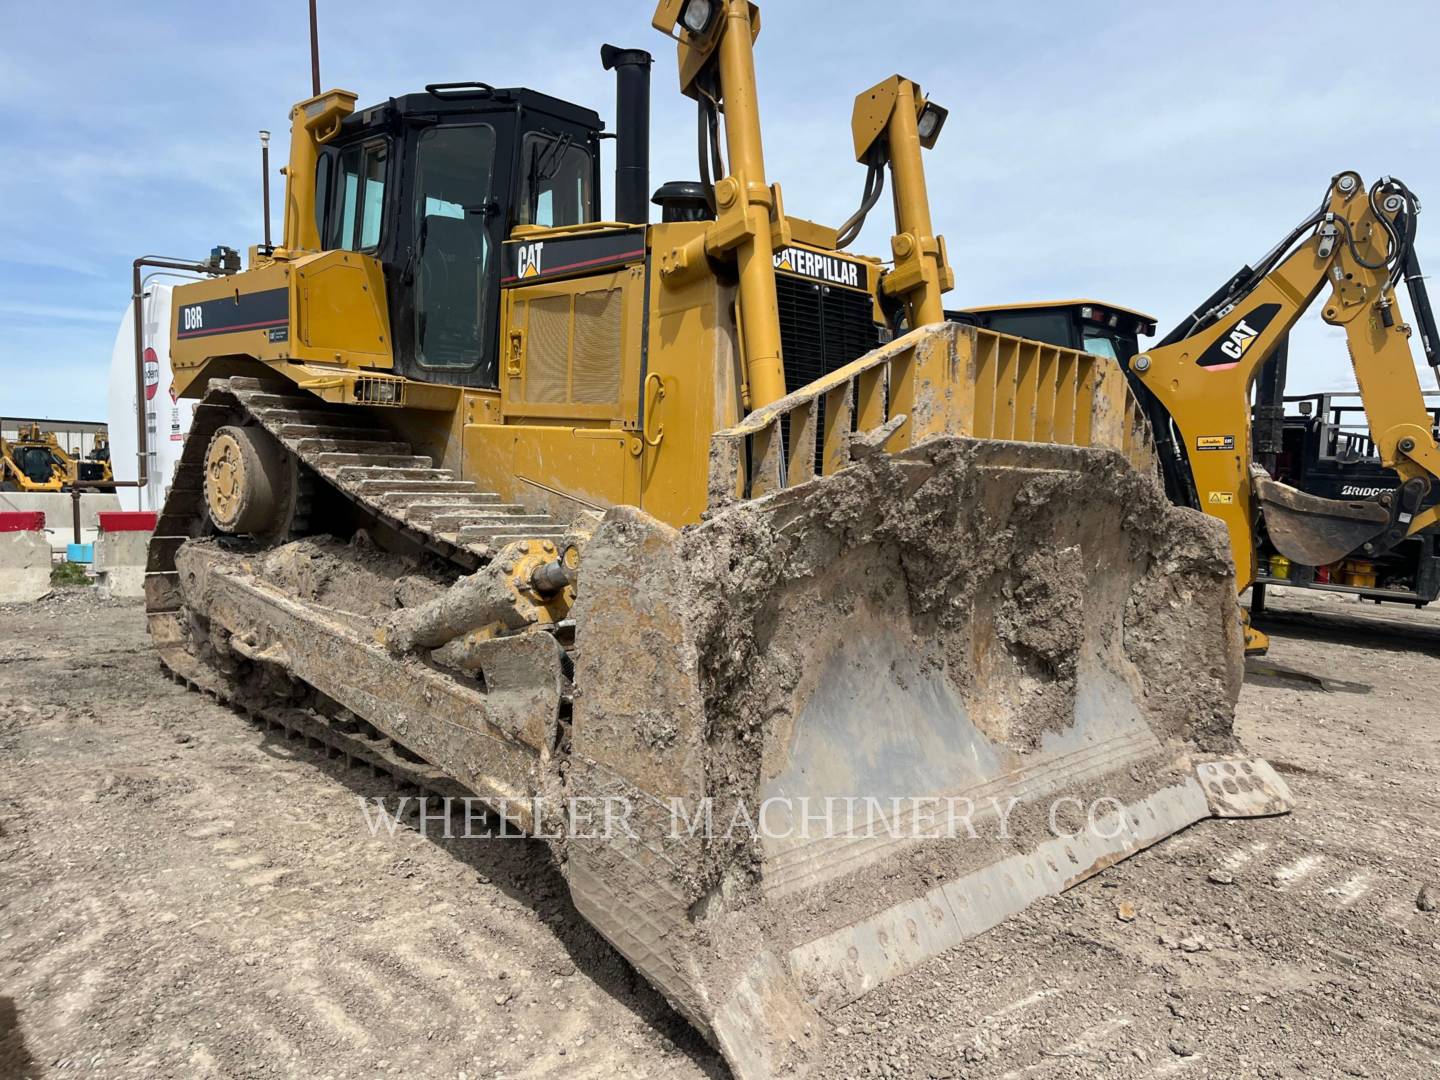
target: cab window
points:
(1099, 343)
(359, 198)
(1050, 328)
(323, 166)
(555, 189)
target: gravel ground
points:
(185, 895)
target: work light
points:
(697, 15)
(932, 119)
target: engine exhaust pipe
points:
(632, 131)
(269, 248)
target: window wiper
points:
(544, 164)
(547, 164)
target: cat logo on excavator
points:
(1231, 349)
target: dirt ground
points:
(183, 894)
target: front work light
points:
(932, 119)
(697, 15)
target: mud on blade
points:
(861, 720)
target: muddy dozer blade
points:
(856, 722)
(1312, 530)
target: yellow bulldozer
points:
(816, 634)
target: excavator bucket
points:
(1312, 530)
(850, 721)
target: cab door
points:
(453, 265)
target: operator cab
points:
(430, 185)
(35, 456)
(37, 462)
(1086, 325)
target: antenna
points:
(314, 53)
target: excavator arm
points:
(1359, 244)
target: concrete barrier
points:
(24, 557)
(59, 513)
(120, 552)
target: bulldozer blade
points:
(854, 723)
(1312, 530)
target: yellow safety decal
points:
(1221, 498)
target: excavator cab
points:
(431, 185)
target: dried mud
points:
(1006, 590)
(185, 896)
(948, 608)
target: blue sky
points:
(1138, 153)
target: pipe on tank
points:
(211, 267)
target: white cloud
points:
(50, 313)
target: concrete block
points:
(60, 513)
(24, 566)
(120, 563)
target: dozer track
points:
(451, 520)
(382, 474)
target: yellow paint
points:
(313, 122)
(1207, 399)
(337, 318)
(884, 121)
(629, 385)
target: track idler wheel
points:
(251, 483)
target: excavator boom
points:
(1359, 244)
(1196, 384)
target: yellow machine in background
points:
(519, 503)
(1197, 383)
(34, 461)
(94, 468)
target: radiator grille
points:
(595, 374)
(821, 328)
(547, 349)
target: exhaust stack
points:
(632, 130)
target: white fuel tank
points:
(167, 418)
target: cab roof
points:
(1033, 304)
(445, 98)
